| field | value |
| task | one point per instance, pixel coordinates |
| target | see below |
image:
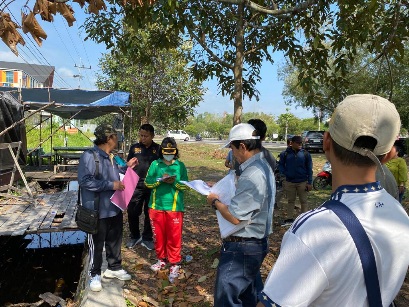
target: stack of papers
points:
(225, 189)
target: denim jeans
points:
(238, 280)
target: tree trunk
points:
(238, 66)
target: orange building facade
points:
(25, 75)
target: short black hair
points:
(147, 127)
(349, 157)
(251, 144)
(259, 125)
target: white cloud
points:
(8, 56)
(66, 72)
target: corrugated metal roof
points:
(91, 104)
(39, 72)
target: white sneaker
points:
(158, 265)
(174, 273)
(95, 283)
(120, 274)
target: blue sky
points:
(66, 49)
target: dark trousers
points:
(238, 280)
(109, 234)
(139, 201)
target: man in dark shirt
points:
(146, 151)
(296, 165)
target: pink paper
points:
(121, 199)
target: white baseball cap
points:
(365, 115)
(241, 132)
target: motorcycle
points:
(198, 137)
(324, 178)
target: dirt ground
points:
(201, 240)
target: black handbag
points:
(87, 219)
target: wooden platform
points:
(48, 213)
(49, 175)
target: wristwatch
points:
(214, 203)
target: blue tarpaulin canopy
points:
(91, 104)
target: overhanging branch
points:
(210, 52)
(275, 11)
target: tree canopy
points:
(367, 74)
(159, 80)
(232, 38)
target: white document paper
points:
(225, 189)
(198, 185)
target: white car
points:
(178, 135)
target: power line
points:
(36, 48)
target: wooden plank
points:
(14, 222)
(7, 212)
(42, 213)
(25, 220)
(56, 201)
(69, 197)
(68, 221)
(69, 201)
(33, 215)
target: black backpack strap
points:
(364, 248)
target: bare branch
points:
(275, 11)
(210, 52)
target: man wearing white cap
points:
(353, 250)
(238, 279)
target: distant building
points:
(26, 75)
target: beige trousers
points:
(292, 190)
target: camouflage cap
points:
(104, 130)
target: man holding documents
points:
(238, 278)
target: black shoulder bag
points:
(87, 219)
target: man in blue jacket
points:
(103, 182)
(296, 165)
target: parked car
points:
(312, 140)
(178, 135)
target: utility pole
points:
(79, 76)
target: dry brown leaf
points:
(201, 290)
(45, 9)
(170, 288)
(194, 299)
(162, 274)
(138, 266)
(211, 274)
(80, 2)
(95, 6)
(180, 294)
(9, 34)
(152, 301)
(67, 12)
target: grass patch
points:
(206, 162)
